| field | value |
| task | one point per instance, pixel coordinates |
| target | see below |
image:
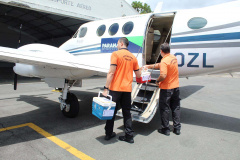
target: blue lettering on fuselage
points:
(182, 59)
(205, 62)
(108, 45)
(191, 62)
(195, 55)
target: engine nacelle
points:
(42, 70)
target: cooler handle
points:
(107, 96)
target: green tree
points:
(140, 7)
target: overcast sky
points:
(171, 5)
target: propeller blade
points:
(15, 81)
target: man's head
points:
(165, 49)
(122, 43)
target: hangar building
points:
(52, 21)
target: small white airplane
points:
(205, 40)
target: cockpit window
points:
(127, 28)
(113, 29)
(83, 32)
(197, 23)
(101, 30)
(75, 34)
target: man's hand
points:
(160, 78)
(105, 92)
(143, 67)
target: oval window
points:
(127, 28)
(197, 23)
(113, 29)
(83, 32)
(101, 30)
(157, 35)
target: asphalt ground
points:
(210, 117)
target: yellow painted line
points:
(13, 127)
(54, 139)
(60, 91)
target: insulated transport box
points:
(103, 108)
(145, 77)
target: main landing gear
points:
(68, 102)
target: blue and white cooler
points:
(103, 108)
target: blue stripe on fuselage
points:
(210, 37)
(85, 50)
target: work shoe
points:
(108, 137)
(165, 132)
(124, 138)
(177, 131)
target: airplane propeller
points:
(15, 81)
(19, 41)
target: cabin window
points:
(83, 32)
(197, 23)
(157, 35)
(113, 29)
(101, 30)
(127, 28)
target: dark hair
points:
(124, 40)
(165, 47)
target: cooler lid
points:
(104, 101)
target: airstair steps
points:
(144, 102)
(141, 100)
(143, 96)
(148, 87)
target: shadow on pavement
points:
(47, 115)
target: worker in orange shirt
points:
(119, 83)
(168, 82)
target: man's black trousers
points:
(169, 99)
(124, 100)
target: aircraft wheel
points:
(74, 106)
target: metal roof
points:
(41, 26)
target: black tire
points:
(74, 106)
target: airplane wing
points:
(45, 55)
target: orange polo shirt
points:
(169, 66)
(126, 63)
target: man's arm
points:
(161, 78)
(110, 76)
(137, 73)
(153, 66)
(163, 73)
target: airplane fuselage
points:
(205, 41)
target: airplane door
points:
(145, 97)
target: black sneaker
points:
(165, 132)
(108, 137)
(177, 131)
(123, 138)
